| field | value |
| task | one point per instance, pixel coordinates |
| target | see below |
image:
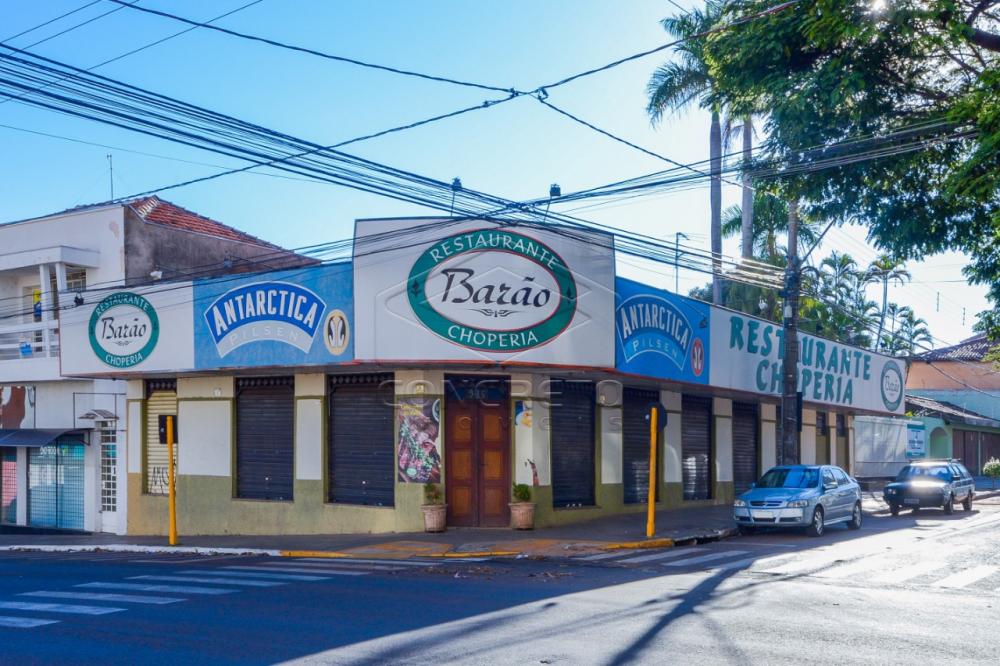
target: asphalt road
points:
(920, 588)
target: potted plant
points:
(992, 470)
(434, 508)
(522, 509)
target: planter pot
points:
(434, 517)
(522, 515)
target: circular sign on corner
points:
(891, 385)
(123, 330)
(697, 357)
(492, 290)
(337, 332)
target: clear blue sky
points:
(515, 150)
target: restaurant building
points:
(475, 354)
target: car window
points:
(938, 472)
(964, 471)
(828, 477)
(790, 477)
(956, 471)
(842, 478)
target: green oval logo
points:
(124, 329)
(891, 385)
(492, 290)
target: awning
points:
(37, 436)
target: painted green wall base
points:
(205, 506)
(724, 492)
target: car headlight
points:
(739, 502)
(798, 504)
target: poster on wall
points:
(17, 407)
(121, 331)
(481, 291)
(916, 443)
(661, 334)
(747, 356)
(301, 316)
(419, 439)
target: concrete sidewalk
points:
(614, 532)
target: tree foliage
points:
(887, 117)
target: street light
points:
(677, 257)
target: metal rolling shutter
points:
(745, 445)
(265, 426)
(696, 446)
(161, 401)
(361, 458)
(635, 443)
(55, 485)
(572, 441)
(822, 439)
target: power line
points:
(314, 52)
(50, 21)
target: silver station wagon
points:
(809, 496)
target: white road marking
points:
(904, 574)
(797, 566)
(340, 564)
(850, 569)
(601, 556)
(187, 560)
(272, 574)
(58, 608)
(296, 570)
(175, 589)
(214, 581)
(744, 542)
(963, 578)
(102, 596)
(745, 563)
(704, 558)
(666, 555)
(24, 622)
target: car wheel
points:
(894, 509)
(967, 502)
(816, 526)
(856, 517)
(746, 530)
(949, 506)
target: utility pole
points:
(677, 260)
(788, 449)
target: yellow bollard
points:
(171, 490)
(651, 514)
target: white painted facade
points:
(44, 263)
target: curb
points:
(131, 548)
(638, 545)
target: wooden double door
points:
(477, 451)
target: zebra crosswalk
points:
(40, 608)
(829, 565)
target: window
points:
(821, 424)
(109, 465)
(842, 478)
(938, 472)
(790, 477)
(841, 425)
(265, 427)
(828, 478)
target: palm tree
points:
(745, 130)
(770, 222)
(680, 82)
(911, 334)
(885, 269)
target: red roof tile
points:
(157, 211)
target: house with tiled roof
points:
(62, 449)
(961, 389)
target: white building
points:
(60, 459)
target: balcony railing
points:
(34, 340)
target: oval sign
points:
(123, 330)
(891, 386)
(492, 290)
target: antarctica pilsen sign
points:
(459, 290)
